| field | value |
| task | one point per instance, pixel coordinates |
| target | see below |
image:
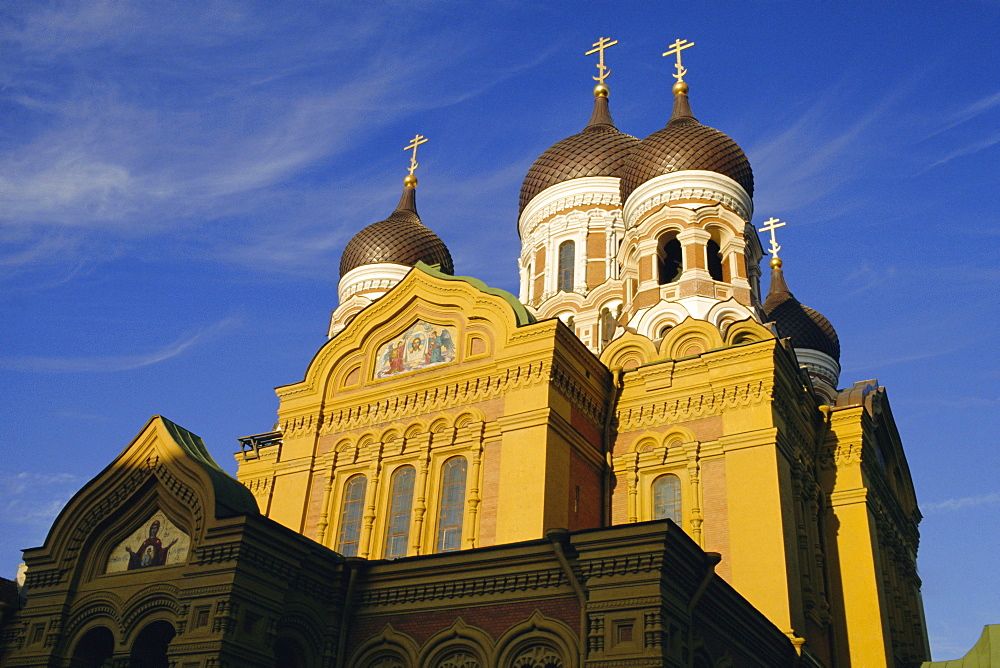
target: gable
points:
(165, 476)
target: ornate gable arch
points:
(165, 466)
(472, 644)
(387, 649)
(424, 294)
(628, 351)
(537, 642)
(691, 337)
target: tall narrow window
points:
(667, 498)
(668, 256)
(350, 516)
(608, 325)
(714, 259)
(452, 505)
(400, 507)
(567, 251)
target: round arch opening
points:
(150, 647)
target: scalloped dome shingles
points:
(399, 239)
(685, 144)
(806, 327)
(599, 150)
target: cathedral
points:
(641, 459)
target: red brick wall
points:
(716, 526)
(585, 514)
(619, 501)
(491, 490)
(495, 619)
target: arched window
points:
(608, 324)
(668, 255)
(94, 648)
(452, 505)
(400, 508)
(289, 653)
(350, 516)
(714, 260)
(667, 498)
(567, 251)
(150, 647)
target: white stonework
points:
(374, 279)
(582, 192)
(687, 184)
(822, 369)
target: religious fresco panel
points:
(422, 345)
(158, 542)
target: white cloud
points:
(116, 362)
(962, 503)
(818, 152)
(29, 498)
(968, 149)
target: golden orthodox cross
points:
(770, 226)
(678, 46)
(600, 45)
(414, 143)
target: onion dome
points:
(806, 327)
(682, 145)
(600, 150)
(399, 239)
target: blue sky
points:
(177, 181)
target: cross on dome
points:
(599, 46)
(771, 225)
(678, 46)
(417, 140)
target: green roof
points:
(231, 497)
(984, 654)
(524, 317)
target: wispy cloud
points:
(968, 149)
(814, 155)
(182, 118)
(879, 363)
(865, 278)
(29, 498)
(961, 503)
(112, 363)
(968, 112)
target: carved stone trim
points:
(692, 407)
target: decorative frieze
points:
(487, 586)
(692, 407)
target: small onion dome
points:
(399, 239)
(806, 327)
(599, 150)
(685, 144)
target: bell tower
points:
(689, 249)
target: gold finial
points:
(601, 89)
(678, 46)
(410, 179)
(771, 225)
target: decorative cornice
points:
(381, 276)
(585, 191)
(707, 404)
(422, 401)
(687, 184)
(478, 586)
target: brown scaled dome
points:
(600, 150)
(685, 144)
(399, 239)
(806, 327)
